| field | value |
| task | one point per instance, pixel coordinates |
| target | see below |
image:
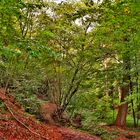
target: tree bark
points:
(123, 108)
(122, 111)
(132, 102)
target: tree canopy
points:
(81, 55)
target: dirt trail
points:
(15, 124)
(68, 134)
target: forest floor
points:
(116, 133)
(15, 124)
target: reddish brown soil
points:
(15, 124)
(122, 134)
(12, 130)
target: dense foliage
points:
(82, 55)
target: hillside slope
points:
(15, 124)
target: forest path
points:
(11, 130)
(75, 135)
(16, 124)
(69, 134)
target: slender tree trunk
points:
(55, 84)
(59, 83)
(137, 89)
(132, 103)
(138, 106)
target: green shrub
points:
(104, 134)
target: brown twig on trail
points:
(4, 99)
(23, 123)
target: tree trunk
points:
(122, 111)
(123, 108)
(132, 102)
